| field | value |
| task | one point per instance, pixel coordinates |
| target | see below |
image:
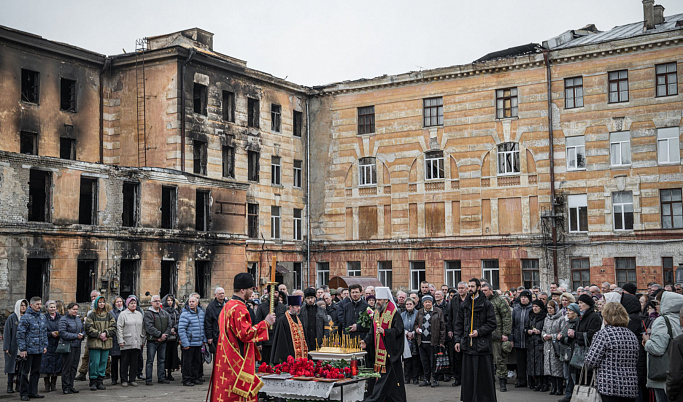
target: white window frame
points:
(580, 203)
(622, 208)
(434, 166)
(668, 141)
(514, 154)
(367, 172)
(576, 149)
(353, 268)
(275, 222)
(298, 235)
(450, 273)
(487, 273)
(620, 148)
(298, 174)
(383, 273)
(275, 171)
(322, 276)
(415, 277)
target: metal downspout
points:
(308, 198)
(551, 156)
(182, 109)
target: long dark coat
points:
(51, 363)
(390, 386)
(534, 344)
(9, 342)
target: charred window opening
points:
(67, 148)
(202, 278)
(68, 95)
(169, 278)
(252, 220)
(253, 114)
(275, 169)
(28, 143)
(199, 156)
(86, 280)
(169, 205)
(202, 210)
(274, 222)
(39, 196)
(229, 162)
(253, 160)
(297, 173)
(87, 211)
(129, 277)
(131, 198)
(229, 106)
(297, 224)
(199, 98)
(37, 277)
(30, 84)
(275, 117)
(298, 124)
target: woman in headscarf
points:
(534, 342)
(51, 363)
(552, 365)
(131, 337)
(115, 351)
(10, 345)
(101, 328)
(172, 359)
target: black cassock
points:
(390, 386)
(282, 346)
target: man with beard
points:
(454, 308)
(473, 329)
(384, 344)
(288, 337)
(503, 327)
(313, 320)
(262, 312)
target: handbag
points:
(443, 365)
(586, 393)
(206, 354)
(658, 366)
(579, 353)
(63, 347)
(407, 353)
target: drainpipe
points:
(308, 198)
(551, 156)
(182, 109)
(107, 64)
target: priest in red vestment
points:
(233, 378)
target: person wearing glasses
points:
(158, 327)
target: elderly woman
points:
(614, 354)
(520, 314)
(71, 330)
(115, 352)
(534, 342)
(10, 345)
(411, 364)
(51, 363)
(130, 333)
(172, 359)
(552, 366)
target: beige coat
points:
(130, 330)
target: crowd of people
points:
(541, 340)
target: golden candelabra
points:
(335, 343)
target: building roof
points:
(619, 32)
(522, 50)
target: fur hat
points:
(587, 299)
(294, 300)
(630, 288)
(243, 281)
(309, 292)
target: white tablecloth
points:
(312, 390)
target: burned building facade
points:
(172, 168)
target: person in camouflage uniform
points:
(503, 328)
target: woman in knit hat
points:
(534, 343)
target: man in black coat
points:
(454, 309)
(313, 319)
(261, 313)
(211, 314)
(348, 318)
(473, 329)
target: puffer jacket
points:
(659, 340)
(130, 330)
(520, 314)
(69, 328)
(191, 327)
(97, 322)
(32, 332)
(484, 323)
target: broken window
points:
(252, 221)
(253, 112)
(169, 278)
(274, 222)
(297, 173)
(229, 106)
(87, 208)
(86, 280)
(508, 158)
(30, 84)
(506, 103)
(39, 196)
(199, 98)
(131, 203)
(202, 211)
(199, 157)
(68, 95)
(275, 117)
(229, 162)
(366, 120)
(202, 278)
(433, 112)
(129, 277)
(169, 206)
(298, 124)
(37, 277)
(28, 143)
(253, 160)
(67, 148)
(297, 224)
(275, 171)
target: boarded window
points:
(367, 222)
(435, 219)
(40, 189)
(87, 208)
(509, 215)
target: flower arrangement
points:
(303, 367)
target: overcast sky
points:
(314, 42)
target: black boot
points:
(553, 385)
(93, 384)
(48, 387)
(54, 382)
(560, 386)
(99, 384)
(10, 383)
(544, 384)
(503, 384)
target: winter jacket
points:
(156, 324)
(51, 363)
(484, 323)
(130, 330)
(191, 327)
(409, 320)
(454, 306)
(659, 339)
(32, 332)
(635, 324)
(115, 349)
(589, 323)
(445, 308)
(503, 317)
(674, 380)
(566, 342)
(332, 312)
(69, 328)
(520, 313)
(614, 354)
(212, 313)
(437, 326)
(96, 323)
(350, 316)
(9, 341)
(172, 311)
(552, 365)
(534, 343)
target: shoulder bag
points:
(658, 366)
(579, 353)
(586, 393)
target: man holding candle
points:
(474, 326)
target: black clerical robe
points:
(283, 343)
(390, 386)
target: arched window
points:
(367, 172)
